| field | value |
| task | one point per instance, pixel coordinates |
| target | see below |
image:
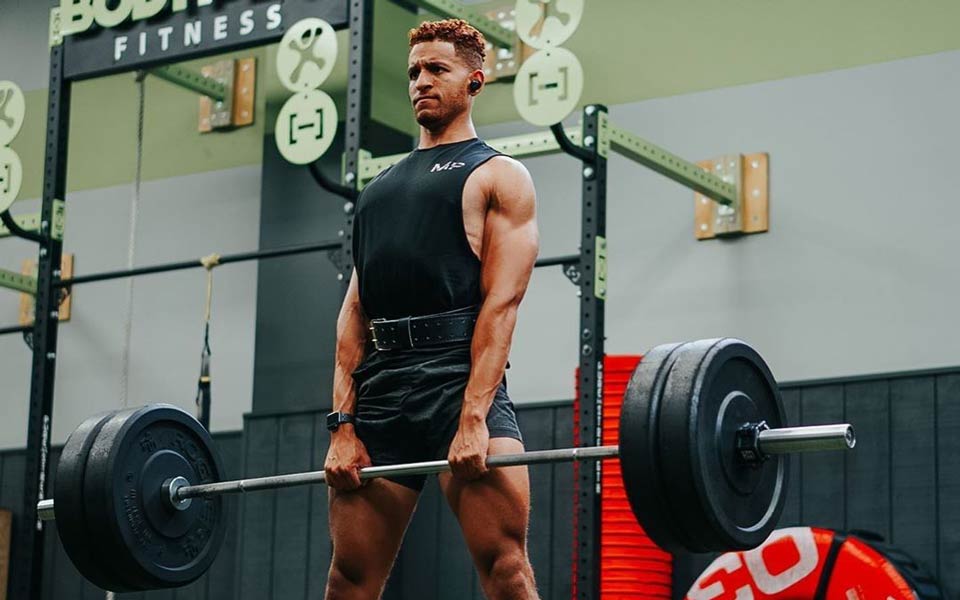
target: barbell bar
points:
(770, 441)
(703, 449)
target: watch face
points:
(333, 421)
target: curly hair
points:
(469, 43)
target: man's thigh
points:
(367, 526)
(493, 511)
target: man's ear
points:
(477, 79)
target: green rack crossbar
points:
(665, 162)
(191, 80)
(33, 224)
(18, 282)
(29, 223)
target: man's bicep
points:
(514, 195)
(351, 310)
(512, 239)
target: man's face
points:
(439, 83)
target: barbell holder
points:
(782, 440)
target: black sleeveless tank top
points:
(409, 245)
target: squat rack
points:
(75, 58)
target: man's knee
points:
(349, 580)
(509, 570)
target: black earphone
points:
(475, 86)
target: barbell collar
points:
(45, 510)
(812, 438)
(171, 487)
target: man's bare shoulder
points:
(507, 167)
(507, 180)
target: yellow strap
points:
(209, 294)
(209, 262)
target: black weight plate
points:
(153, 544)
(714, 387)
(640, 459)
(79, 541)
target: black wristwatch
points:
(335, 419)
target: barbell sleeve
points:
(812, 438)
(770, 441)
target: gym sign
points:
(80, 15)
(104, 36)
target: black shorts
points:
(409, 402)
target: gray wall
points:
(179, 219)
(858, 273)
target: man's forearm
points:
(344, 388)
(490, 350)
(351, 344)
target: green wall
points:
(103, 122)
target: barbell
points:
(702, 443)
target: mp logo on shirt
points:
(450, 165)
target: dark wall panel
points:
(320, 548)
(913, 483)
(537, 426)
(868, 467)
(255, 553)
(948, 479)
(290, 535)
(220, 582)
(822, 504)
(792, 507)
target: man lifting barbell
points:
(444, 244)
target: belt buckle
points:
(373, 333)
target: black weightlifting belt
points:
(427, 331)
